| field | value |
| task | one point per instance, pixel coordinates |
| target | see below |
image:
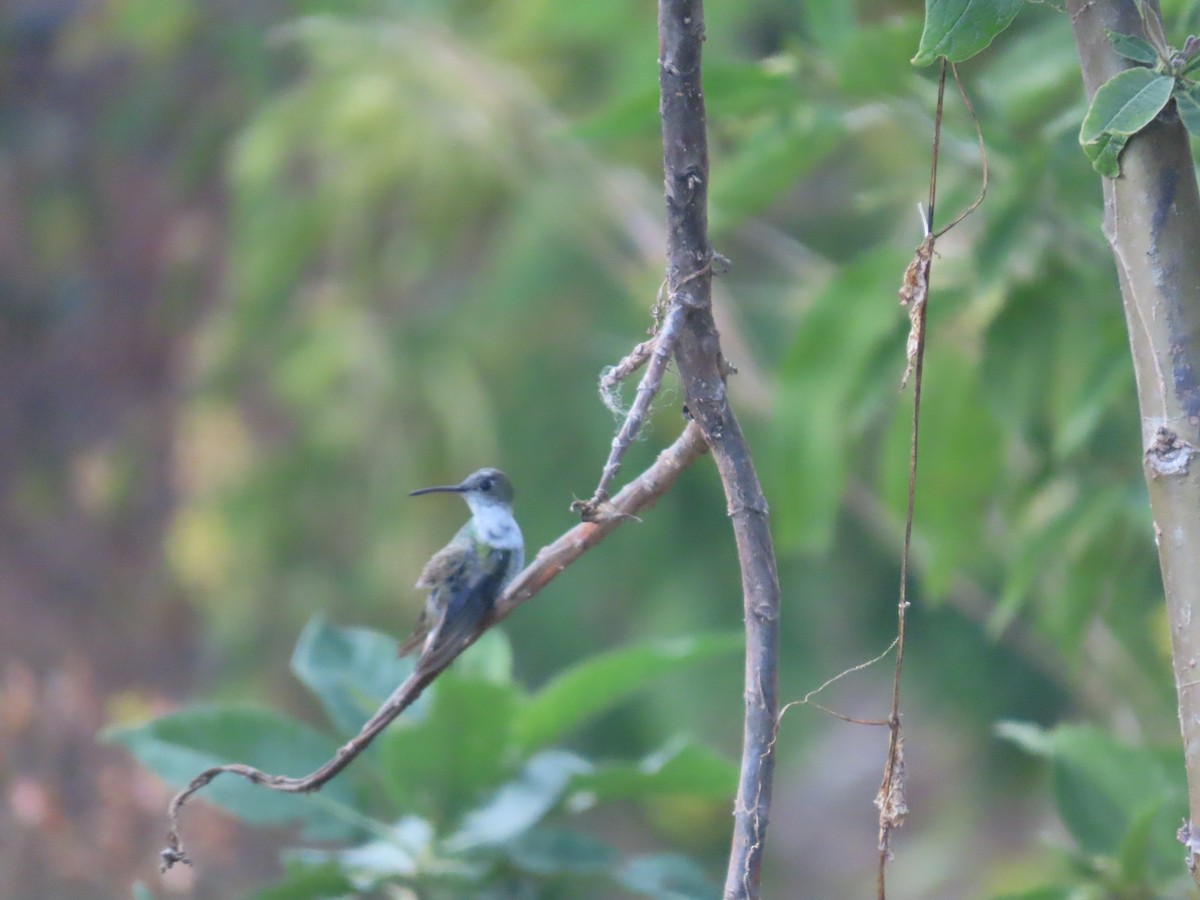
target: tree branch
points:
(658, 351)
(1151, 220)
(702, 370)
(640, 494)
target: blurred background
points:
(266, 267)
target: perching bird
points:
(466, 576)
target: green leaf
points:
(731, 89)
(681, 768)
(442, 765)
(308, 881)
(735, 88)
(180, 746)
(958, 29)
(770, 161)
(1033, 739)
(1055, 520)
(667, 877)
(1125, 104)
(1134, 855)
(489, 659)
(1104, 788)
(602, 681)
(1133, 47)
(556, 851)
(964, 443)
(1105, 153)
(522, 803)
(351, 670)
(830, 22)
(1187, 101)
(823, 377)
(406, 848)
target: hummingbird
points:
(466, 576)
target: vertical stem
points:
(702, 370)
(1152, 219)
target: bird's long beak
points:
(443, 489)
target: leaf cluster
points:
(1132, 99)
(468, 793)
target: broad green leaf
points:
(181, 745)
(1105, 153)
(1133, 47)
(1033, 739)
(684, 768)
(626, 117)
(489, 659)
(1103, 787)
(1044, 545)
(600, 682)
(351, 670)
(769, 161)
(958, 29)
(1187, 101)
(731, 88)
(740, 88)
(667, 877)
(556, 851)
(822, 380)
(1125, 104)
(1134, 856)
(1030, 78)
(308, 881)
(444, 764)
(830, 22)
(521, 803)
(880, 50)
(962, 442)
(400, 854)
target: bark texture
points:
(1152, 222)
(703, 369)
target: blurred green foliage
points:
(458, 797)
(443, 218)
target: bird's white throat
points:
(494, 523)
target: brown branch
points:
(702, 371)
(914, 293)
(639, 494)
(659, 354)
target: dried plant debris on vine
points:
(913, 292)
(890, 801)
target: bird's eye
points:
(486, 485)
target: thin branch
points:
(702, 371)
(807, 699)
(890, 799)
(659, 355)
(983, 159)
(612, 376)
(639, 494)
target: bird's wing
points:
(465, 600)
(446, 567)
(417, 638)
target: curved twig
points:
(639, 494)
